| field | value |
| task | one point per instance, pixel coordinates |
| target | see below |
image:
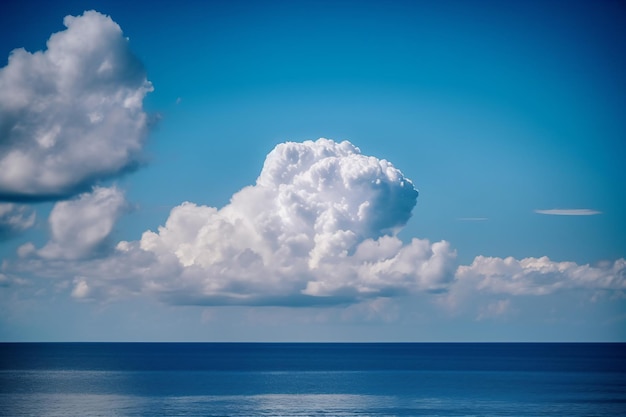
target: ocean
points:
(312, 379)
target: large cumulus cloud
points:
(318, 227)
(71, 114)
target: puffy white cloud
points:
(80, 227)
(318, 227)
(15, 218)
(81, 289)
(540, 276)
(71, 114)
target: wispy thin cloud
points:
(569, 212)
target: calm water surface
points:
(248, 379)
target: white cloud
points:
(9, 281)
(15, 218)
(569, 212)
(79, 227)
(71, 114)
(26, 249)
(81, 289)
(539, 276)
(318, 227)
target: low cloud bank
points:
(319, 227)
(540, 276)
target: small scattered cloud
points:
(11, 281)
(26, 249)
(80, 227)
(569, 212)
(81, 289)
(14, 219)
(72, 114)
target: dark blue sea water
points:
(285, 379)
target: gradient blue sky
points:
(493, 109)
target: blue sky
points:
(507, 117)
